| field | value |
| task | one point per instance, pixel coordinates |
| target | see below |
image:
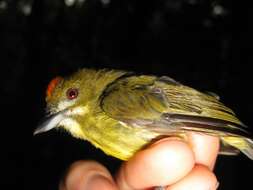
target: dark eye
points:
(72, 93)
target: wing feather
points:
(163, 103)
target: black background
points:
(202, 43)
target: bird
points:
(121, 112)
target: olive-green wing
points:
(134, 98)
(162, 102)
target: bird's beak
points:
(49, 122)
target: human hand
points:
(169, 162)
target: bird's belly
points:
(122, 141)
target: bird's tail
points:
(245, 145)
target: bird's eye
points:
(72, 93)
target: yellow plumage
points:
(121, 113)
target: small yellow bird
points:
(121, 112)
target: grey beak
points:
(49, 123)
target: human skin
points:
(170, 162)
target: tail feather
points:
(249, 150)
(245, 145)
(233, 136)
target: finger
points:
(205, 148)
(88, 175)
(200, 178)
(163, 163)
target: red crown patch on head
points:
(51, 86)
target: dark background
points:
(202, 43)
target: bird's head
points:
(68, 100)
